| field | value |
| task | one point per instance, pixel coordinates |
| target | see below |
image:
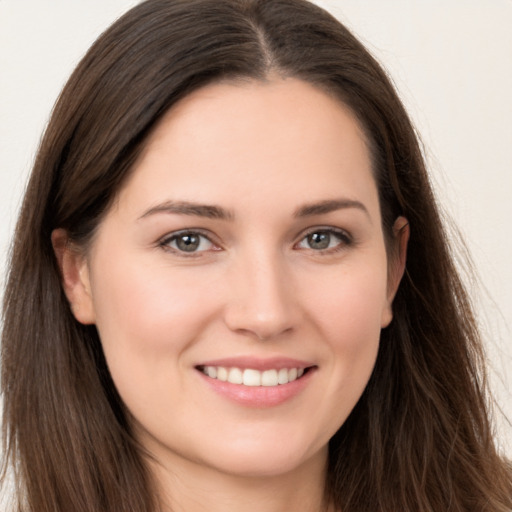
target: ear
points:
(74, 275)
(397, 260)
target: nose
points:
(262, 303)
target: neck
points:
(189, 487)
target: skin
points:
(256, 286)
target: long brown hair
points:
(419, 438)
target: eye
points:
(324, 240)
(188, 242)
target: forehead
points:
(283, 135)
(246, 106)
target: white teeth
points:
(222, 373)
(235, 376)
(282, 376)
(269, 378)
(211, 371)
(251, 377)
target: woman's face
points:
(246, 245)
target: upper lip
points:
(256, 363)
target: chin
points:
(260, 461)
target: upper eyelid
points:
(169, 237)
(196, 231)
(330, 229)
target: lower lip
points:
(259, 396)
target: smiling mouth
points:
(254, 378)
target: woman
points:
(209, 305)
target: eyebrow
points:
(189, 208)
(217, 212)
(328, 206)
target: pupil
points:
(188, 243)
(319, 240)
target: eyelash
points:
(165, 243)
(345, 240)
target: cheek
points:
(350, 307)
(148, 310)
(147, 317)
(348, 315)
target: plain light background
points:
(451, 61)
